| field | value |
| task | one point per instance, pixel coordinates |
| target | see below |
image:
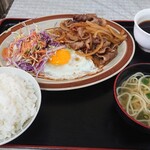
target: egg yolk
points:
(61, 57)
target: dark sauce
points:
(145, 25)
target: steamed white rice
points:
(17, 104)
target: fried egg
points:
(67, 64)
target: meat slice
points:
(101, 60)
(89, 17)
(77, 45)
(83, 17)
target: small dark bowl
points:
(121, 77)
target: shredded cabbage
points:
(31, 52)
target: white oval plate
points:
(125, 53)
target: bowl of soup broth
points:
(132, 95)
(141, 29)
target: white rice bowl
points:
(20, 101)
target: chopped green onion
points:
(145, 81)
(148, 95)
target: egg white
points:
(77, 67)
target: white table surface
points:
(109, 9)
